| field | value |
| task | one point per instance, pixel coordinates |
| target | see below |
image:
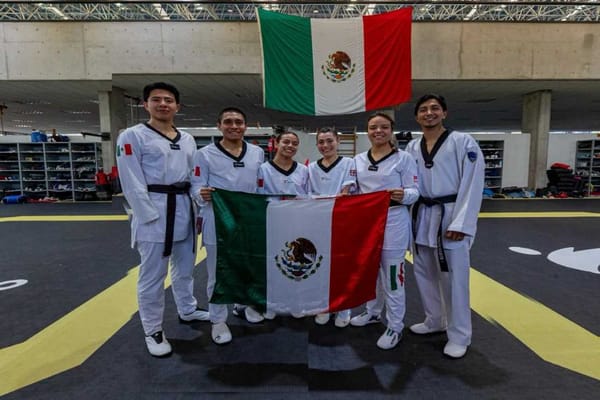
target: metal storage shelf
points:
(493, 154)
(587, 165)
(61, 170)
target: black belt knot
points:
(430, 202)
(172, 191)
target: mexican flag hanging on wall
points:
(318, 66)
(298, 256)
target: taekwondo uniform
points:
(155, 173)
(329, 181)
(396, 170)
(451, 181)
(215, 167)
(274, 180)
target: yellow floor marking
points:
(551, 336)
(548, 334)
(64, 218)
(72, 339)
(548, 214)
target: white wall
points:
(462, 50)
(561, 147)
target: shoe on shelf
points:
(270, 315)
(199, 314)
(422, 329)
(158, 345)
(364, 319)
(454, 350)
(342, 321)
(220, 333)
(389, 339)
(253, 316)
(322, 319)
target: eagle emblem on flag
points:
(338, 67)
(299, 259)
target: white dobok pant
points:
(390, 289)
(153, 272)
(445, 295)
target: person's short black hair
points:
(160, 85)
(440, 99)
(231, 109)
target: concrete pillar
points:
(536, 122)
(113, 119)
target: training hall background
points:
(543, 74)
(34, 171)
(545, 63)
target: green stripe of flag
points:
(241, 248)
(394, 277)
(287, 62)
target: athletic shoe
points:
(342, 321)
(198, 314)
(298, 315)
(158, 345)
(422, 329)
(364, 319)
(389, 339)
(322, 319)
(253, 316)
(454, 350)
(220, 333)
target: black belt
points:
(430, 202)
(172, 191)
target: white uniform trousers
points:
(445, 295)
(218, 312)
(390, 290)
(153, 271)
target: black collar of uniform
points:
(373, 162)
(428, 157)
(228, 154)
(331, 166)
(283, 171)
(174, 140)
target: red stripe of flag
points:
(387, 52)
(128, 150)
(353, 275)
(197, 171)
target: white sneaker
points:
(220, 333)
(298, 315)
(253, 316)
(422, 329)
(364, 319)
(322, 319)
(342, 321)
(389, 339)
(198, 314)
(270, 315)
(158, 345)
(454, 350)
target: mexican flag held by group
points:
(303, 256)
(325, 66)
